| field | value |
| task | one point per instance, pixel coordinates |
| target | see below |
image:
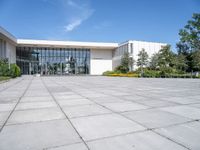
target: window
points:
(2, 48)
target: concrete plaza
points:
(99, 113)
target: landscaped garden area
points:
(7, 70)
(185, 63)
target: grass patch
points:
(4, 78)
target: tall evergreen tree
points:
(126, 63)
(166, 57)
(154, 61)
(142, 59)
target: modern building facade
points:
(68, 57)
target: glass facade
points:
(53, 61)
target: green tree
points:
(165, 57)
(126, 63)
(189, 42)
(181, 62)
(142, 59)
(190, 35)
(196, 60)
(154, 61)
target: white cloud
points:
(80, 12)
(71, 26)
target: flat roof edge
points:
(65, 43)
(132, 41)
(8, 34)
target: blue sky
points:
(97, 20)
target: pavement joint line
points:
(172, 125)
(52, 147)
(35, 122)
(35, 109)
(65, 114)
(118, 135)
(17, 104)
(177, 114)
(91, 115)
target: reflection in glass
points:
(53, 61)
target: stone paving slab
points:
(6, 106)
(97, 113)
(154, 118)
(3, 117)
(186, 134)
(186, 111)
(36, 136)
(36, 98)
(124, 106)
(36, 105)
(136, 141)
(155, 103)
(75, 102)
(35, 115)
(95, 127)
(85, 110)
(182, 100)
(106, 99)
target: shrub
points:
(5, 70)
(14, 71)
(151, 73)
(119, 74)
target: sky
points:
(97, 20)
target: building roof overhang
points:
(7, 36)
(66, 44)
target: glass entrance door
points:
(34, 68)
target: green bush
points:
(108, 73)
(119, 74)
(151, 73)
(6, 71)
(14, 71)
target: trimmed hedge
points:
(118, 74)
(149, 74)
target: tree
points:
(189, 42)
(196, 60)
(181, 62)
(126, 63)
(142, 59)
(154, 61)
(190, 35)
(165, 57)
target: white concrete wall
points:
(150, 47)
(11, 52)
(116, 61)
(101, 61)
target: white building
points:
(133, 48)
(68, 57)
